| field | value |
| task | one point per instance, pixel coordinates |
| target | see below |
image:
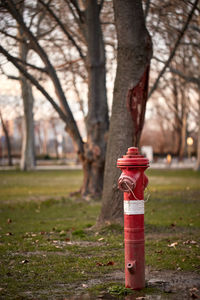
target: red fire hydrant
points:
(133, 182)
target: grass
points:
(48, 249)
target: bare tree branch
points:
(43, 70)
(147, 8)
(76, 6)
(186, 77)
(71, 124)
(175, 48)
(9, 76)
(51, 13)
(11, 36)
(13, 60)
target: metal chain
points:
(131, 191)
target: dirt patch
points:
(167, 284)
(186, 284)
(40, 253)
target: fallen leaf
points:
(193, 293)
(101, 239)
(69, 243)
(173, 245)
(159, 251)
(110, 263)
(190, 242)
(9, 221)
(25, 261)
(62, 232)
(194, 289)
(9, 233)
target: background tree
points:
(92, 153)
(28, 142)
(7, 139)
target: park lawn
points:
(48, 248)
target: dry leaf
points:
(25, 261)
(9, 233)
(173, 245)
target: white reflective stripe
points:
(134, 207)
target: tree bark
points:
(129, 100)
(27, 162)
(197, 165)
(7, 139)
(28, 144)
(97, 118)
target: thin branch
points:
(9, 76)
(72, 126)
(101, 5)
(76, 6)
(186, 77)
(13, 60)
(174, 49)
(63, 28)
(12, 36)
(147, 8)
(43, 70)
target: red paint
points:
(136, 102)
(133, 178)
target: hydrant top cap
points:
(133, 158)
(132, 151)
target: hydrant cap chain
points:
(133, 158)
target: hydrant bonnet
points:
(133, 159)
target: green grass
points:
(47, 246)
(22, 186)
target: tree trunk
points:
(7, 138)
(97, 118)
(28, 143)
(183, 136)
(130, 89)
(197, 165)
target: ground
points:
(49, 248)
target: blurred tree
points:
(177, 21)
(87, 17)
(28, 142)
(7, 139)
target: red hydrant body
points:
(133, 182)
